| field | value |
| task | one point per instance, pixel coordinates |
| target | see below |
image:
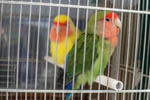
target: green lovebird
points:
(111, 31)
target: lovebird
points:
(111, 29)
(62, 33)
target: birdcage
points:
(27, 74)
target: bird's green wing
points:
(80, 55)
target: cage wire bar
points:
(93, 53)
(114, 96)
(148, 94)
(49, 20)
(24, 75)
(145, 35)
(110, 49)
(127, 61)
(66, 47)
(73, 6)
(28, 50)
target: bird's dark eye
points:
(107, 19)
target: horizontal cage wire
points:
(74, 50)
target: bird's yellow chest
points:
(61, 46)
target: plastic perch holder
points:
(109, 82)
(101, 79)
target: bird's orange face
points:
(111, 28)
(61, 28)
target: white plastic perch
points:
(101, 79)
(109, 82)
(50, 60)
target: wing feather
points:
(80, 56)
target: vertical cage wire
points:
(110, 49)
(145, 35)
(37, 52)
(49, 20)
(127, 59)
(99, 86)
(136, 49)
(28, 48)
(85, 39)
(114, 96)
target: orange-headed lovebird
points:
(62, 33)
(92, 60)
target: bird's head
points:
(60, 26)
(111, 28)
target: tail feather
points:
(69, 84)
(68, 87)
(68, 96)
